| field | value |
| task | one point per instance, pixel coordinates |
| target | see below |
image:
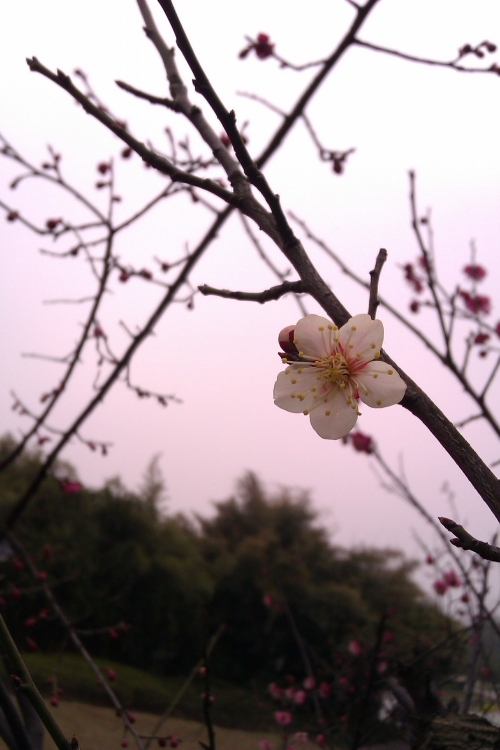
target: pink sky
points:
(220, 359)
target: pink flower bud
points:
(54, 701)
(361, 443)
(285, 340)
(263, 48)
(309, 683)
(440, 587)
(475, 272)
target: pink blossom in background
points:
(354, 647)
(274, 690)
(70, 488)
(440, 587)
(300, 697)
(451, 579)
(324, 690)
(283, 717)
(475, 272)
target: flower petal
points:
(361, 337)
(298, 379)
(381, 385)
(314, 336)
(334, 419)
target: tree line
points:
(150, 589)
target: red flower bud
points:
(52, 223)
(475, 272)
(480, 338)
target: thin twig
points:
(374, 301)
(274, 293)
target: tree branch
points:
(274, 293)
(466, 541)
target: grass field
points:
(98, 728)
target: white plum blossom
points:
(330, 369)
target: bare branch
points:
(426, 61)
(466, 541)
(374, 301)
(274, 293)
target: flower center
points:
(334, 370)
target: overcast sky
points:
(220, 358)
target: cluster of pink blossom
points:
(292, 696)
(448, 580)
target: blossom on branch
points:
(476, 303)
(263, 47)
(330, 369)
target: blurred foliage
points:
(149, 589)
